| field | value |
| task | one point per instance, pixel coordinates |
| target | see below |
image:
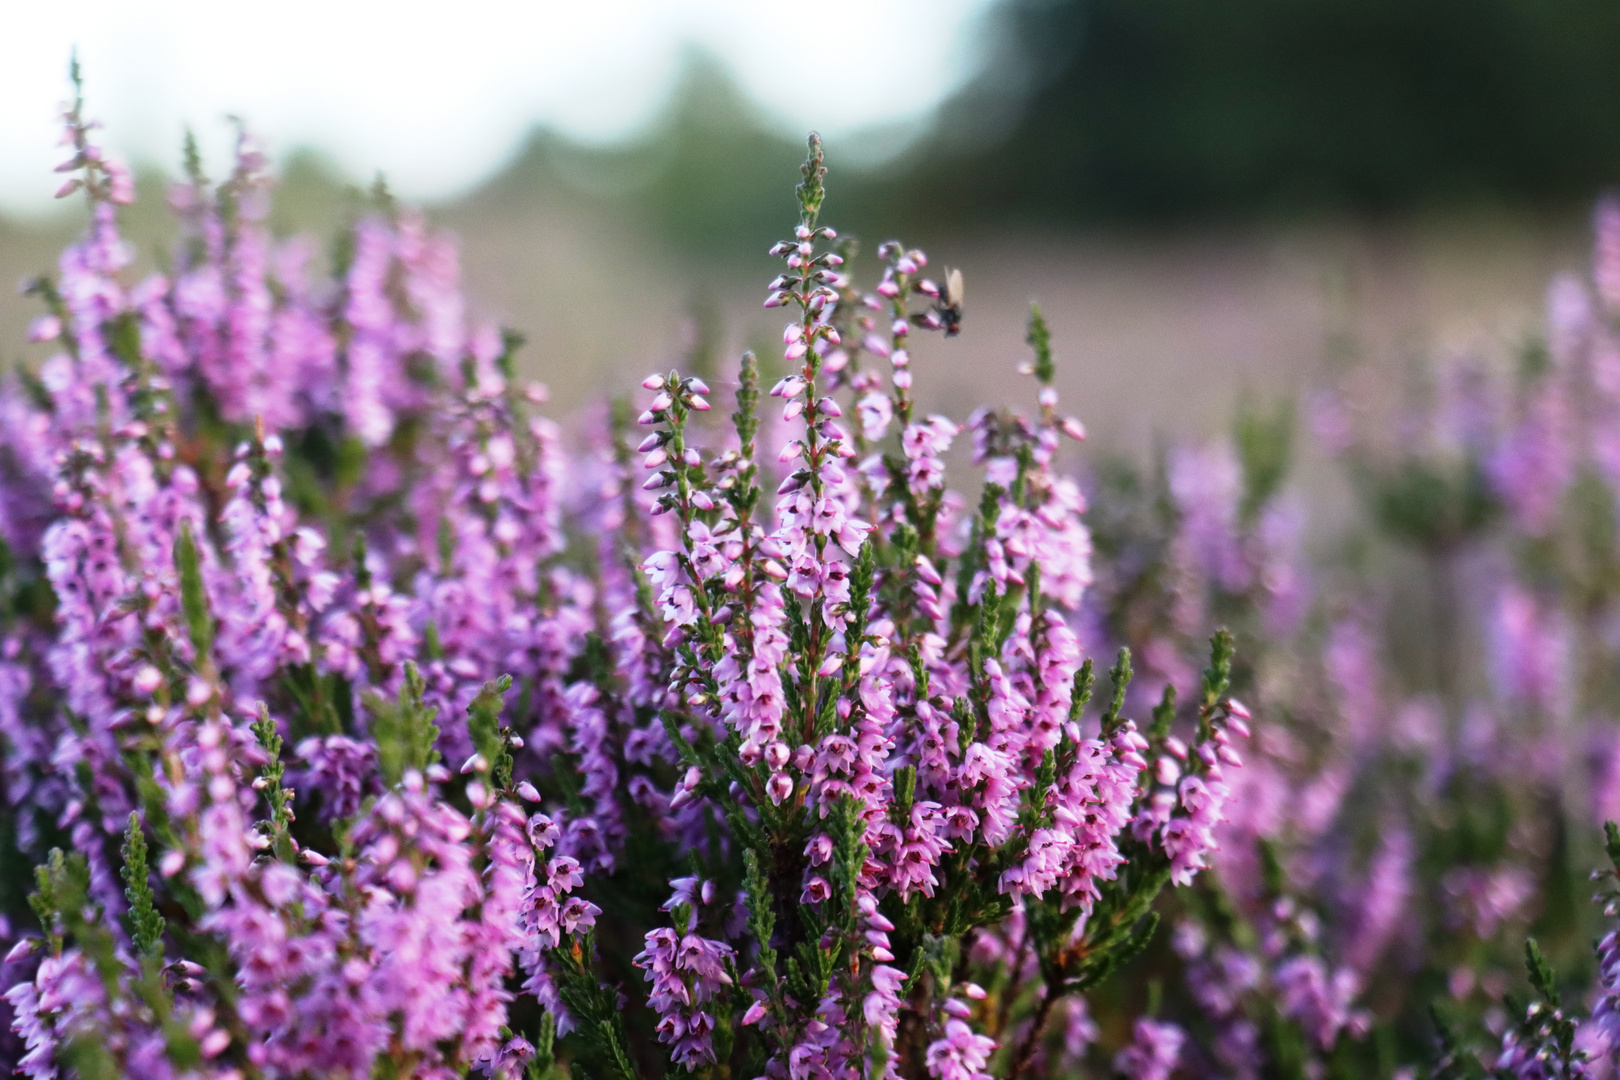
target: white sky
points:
(437, 95)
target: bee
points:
(949, 306)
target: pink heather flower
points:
(1606, 252)
(1482, 899)
(1207, 485)
(960, 1054)
(1154, 1052)
(1602, 1032)
(876, 413)
(1535, 464)
(1318, 1000)
(685, 971)
(1529, 652)
(1382, 905)
(1091, 807)
(340, 770)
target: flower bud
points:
(147, 679)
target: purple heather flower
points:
(1154, 1052)
(960, 1053)
(685, 971)
(1529, 653)
(1606, 251)
(1536, 462)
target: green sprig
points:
(146, 924)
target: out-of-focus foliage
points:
(706, 174)
(1144, 109)
(1163, 110)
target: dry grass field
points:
(1157, 334)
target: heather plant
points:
(358, 723)
(1437, 679)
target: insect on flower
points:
(950, 303)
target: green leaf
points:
(1120, 675)
(746, 418)
(146, 923)
(1084, 680)
(761, 915)
(279, 799)
(1164, 713)
(813, 190)
(1541, 973)
(193, 597)
(1218, 676)
(1265, 447)
(404, 730)
(545, 1053)
(1039, 338)
(484, 726)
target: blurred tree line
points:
(1145, 111)
(1152, 109)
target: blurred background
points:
(1211, 200)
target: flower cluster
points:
(379, 720)
(1437, 673)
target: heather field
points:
(499, 641)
